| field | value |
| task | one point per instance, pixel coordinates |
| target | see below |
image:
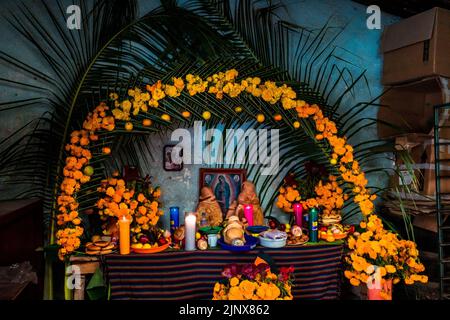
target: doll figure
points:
(246, 197)
(209, 208)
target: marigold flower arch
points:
(221, 84)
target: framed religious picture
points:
(225, 183)
(168, 161)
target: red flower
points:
(230, 270)
(285, 273)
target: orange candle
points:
(124, 239)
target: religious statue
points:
(246, 197)
(222, 192)
(209, 208)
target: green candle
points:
(313, 225)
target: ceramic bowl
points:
(272, 243)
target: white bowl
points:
(272, 243)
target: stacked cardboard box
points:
(416, 74)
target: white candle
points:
(190, 225)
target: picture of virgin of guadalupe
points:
(225, 184)
(222, 192)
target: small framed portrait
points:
(169, 153)
(225, 183)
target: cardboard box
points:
(426, 222)
(409, 108)
(417, 47)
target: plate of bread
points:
(99, 247)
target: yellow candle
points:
(124, 228)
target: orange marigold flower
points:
(84, 141)
(110, 191)
(355, 282)
(142, 210)
(141, 197)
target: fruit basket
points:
(334, 232)
(151, 250)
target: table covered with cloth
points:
(175, 275)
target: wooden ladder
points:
(441, 115)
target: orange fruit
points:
(186, 114)
(89, 171)
(165, 117)
(146, 122)
(206, 115)
(106, 150)
(128, 126)
(277, 117)
(260, 118)
(296, 124)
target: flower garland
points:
(220, 84)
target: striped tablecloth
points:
(191, 275)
